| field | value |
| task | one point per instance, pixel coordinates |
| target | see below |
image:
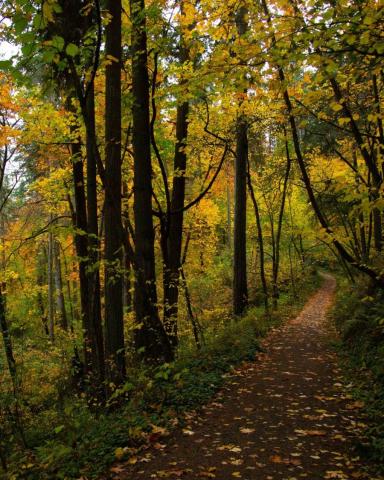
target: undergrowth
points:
(69, 441)
(359, 319)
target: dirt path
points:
(284, 417)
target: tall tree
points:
(176, 217)
(150, 337)
(240, 290)
(114, 327)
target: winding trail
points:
(285, 416)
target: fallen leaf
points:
(247, 430)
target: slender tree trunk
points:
(229, 215)
(40, 277)
(50, 276)
(60, 301)
(175, 232)
(175, 227)
(127, 294)
(196, 328)
(240, 290)
(293, 282)
(276, 264)
(150, 337)
(7, 340)
(93, 272)
(260, 240)
(114, 327)
(81, 244)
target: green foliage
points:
(359, 319)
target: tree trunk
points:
(40, 277)
(240, 291)
(51, 307)
(260, 240)
(175, 227)
(175, 232)
(150, 338)
(60, 302)
(7, 340)
(81, 244)
(93, 271)
(114, 327)
(276, 263)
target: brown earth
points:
(286, 416)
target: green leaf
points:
(27, 49)
(5, 65)
(72, 50)
(49, 55)
(59, 429)
(58, 42)
(20, 24)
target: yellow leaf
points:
(336, 107)
(119, 453)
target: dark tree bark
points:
(240, 290)
(81, 244)
(150, 337)
(175, 227)
(7, 340)
(93, 271)
(114, 327)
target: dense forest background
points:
(171, 175)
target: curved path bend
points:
(285, 416)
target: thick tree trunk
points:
(150, 338)
(114, 327)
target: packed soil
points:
(285, 416)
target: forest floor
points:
(286, 416)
